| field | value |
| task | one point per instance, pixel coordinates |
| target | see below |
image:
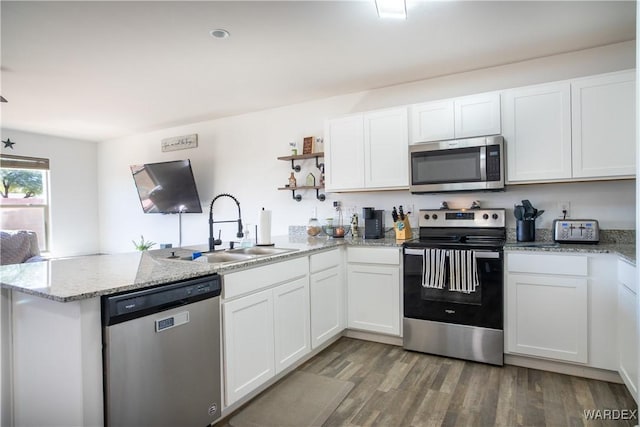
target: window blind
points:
(22, 162)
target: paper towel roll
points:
(265, 227)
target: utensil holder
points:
(403, 229)
(525, 230)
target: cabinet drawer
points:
(374, 255)
(244, 282)
(324, 260)
(627, 275)
(548, 264)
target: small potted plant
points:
(143, 245)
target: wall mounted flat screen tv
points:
(165, 187)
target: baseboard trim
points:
(372, 336)
(563, 368)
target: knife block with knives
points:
(401, 224)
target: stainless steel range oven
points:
(453, 285)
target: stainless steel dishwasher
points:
(161, 355)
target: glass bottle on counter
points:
(339, 230)
(328, 229)
(313, 227)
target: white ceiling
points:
(99, 70)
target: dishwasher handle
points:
(132, 305)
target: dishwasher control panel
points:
(576, 231)
(125, 306)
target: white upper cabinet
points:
(537, 132)
(466, 117)
(386, 157)
(367, 151)
(432, 121)
(477, 115)
(603, 123)
(573, 130)
(344, 153)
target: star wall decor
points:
(8, 143)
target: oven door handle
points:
(479, 254)
(411, 251)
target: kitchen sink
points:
(226, 257)
(230, 256)
(258, 250)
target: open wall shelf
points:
(298, 197)
(303, 157)
(293, 159)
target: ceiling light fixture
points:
(219, 33)
(396, 9)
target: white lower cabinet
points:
(291, 322)
(548, 316)
(373, 290)
(248, 344)
(265, 328)
(628, 327)
(562, 307)
(327, 304)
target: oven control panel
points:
(487, 218)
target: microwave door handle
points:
(483, 164)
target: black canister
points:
(525, 230)
(368, 213)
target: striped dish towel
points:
(433, 268)
(463, 271)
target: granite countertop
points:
(82, 277)
(617, 242)
(625, 251)
(77, 278)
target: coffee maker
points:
(373, 223)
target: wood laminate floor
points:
(394, 387)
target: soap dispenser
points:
(246, 241)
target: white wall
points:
(238, 155)
(73, 188)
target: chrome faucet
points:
(213, 241)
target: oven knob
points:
(485, 216)
(426, 216)
(434, 216)
(494, 216)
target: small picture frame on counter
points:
(307, 145)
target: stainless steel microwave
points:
(457, 165)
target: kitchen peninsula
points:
(56, 311)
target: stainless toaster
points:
(576, 230)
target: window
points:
(24, 201)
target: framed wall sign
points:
(179, 142)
